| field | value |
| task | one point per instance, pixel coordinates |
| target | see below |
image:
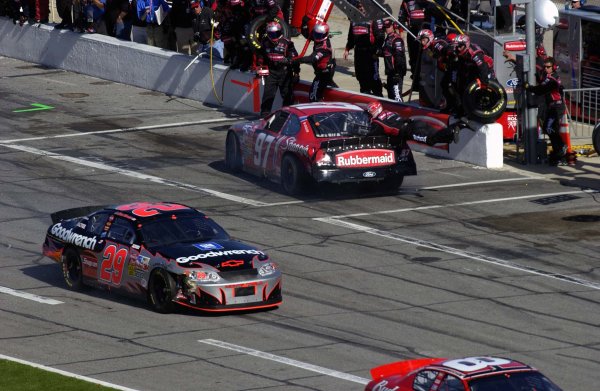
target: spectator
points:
(148, 11)
(202, 26)
(20, 11)
(92, 13)
(119, 19)
(277, 53)
(575, 4)
(64, 8)
(366, 38)
(182, 16)
(394, 59)
(322, 61)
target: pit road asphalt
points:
(463, 261)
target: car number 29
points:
(261, 152)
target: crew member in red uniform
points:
(233, 20)
(277, 53)
(394, 59)
(412, 15)
(262, 7)
(394, 125)
(366, 38)
(551, 88)
(321, 59)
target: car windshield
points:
(340, 123)
(521, 381)
(184, 228)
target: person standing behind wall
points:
(394, 59)
(155, 33)
(321, 59)
(182, 16)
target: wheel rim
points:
(288, 175)
(160, 289)
(73, 268)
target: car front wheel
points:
(161, 291)
(72, 269)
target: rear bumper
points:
(339, 175)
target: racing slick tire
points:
(393, 183)
(72, 269)
(596, 138)
(257, 29)
(161, 291)
(233, 156)
(484, 104)
(293, 177)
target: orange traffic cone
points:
(565, 135)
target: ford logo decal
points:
(512, 82)
(369, 174)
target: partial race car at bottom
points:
(462, 374)
(167, 253)
(318, 142)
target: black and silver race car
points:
(167, 253)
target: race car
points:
(322, 142)
(462, 374)
(167, 253)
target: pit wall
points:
(161, 70)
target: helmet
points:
(463, 42)
(320, 32)
(450, 37)
(274, 31)
(374, 108)
(425, 34)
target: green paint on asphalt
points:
(38, 107)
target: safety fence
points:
(583, 114)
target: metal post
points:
(530, 123)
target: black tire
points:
(486, 104)
(394, 183)
(257, 30)
(233, 155)
(161, 291)
(596, 138)
(72, 269)
(292, 175)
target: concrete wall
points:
(161, 70)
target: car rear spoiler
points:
(74, 212)
(402, 368)
(353, 142)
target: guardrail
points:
(583, 113)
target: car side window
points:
(276, 123)
(451, 383)
(424, 380)
(292, 127)
(96, 223)
(121, 230)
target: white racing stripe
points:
(65, 373)
(149, 127)
(285, 360)
(29, 296)
(151, 178)
(460, 253)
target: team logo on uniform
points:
(512, 83)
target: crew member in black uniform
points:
(552, 89)
(233, 21)
(277, 53)
(394, 59)
(321, 59)
(366, 38)
(412, 15)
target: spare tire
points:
(484, 103)
(257, 30)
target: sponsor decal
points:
(515, 46)
(512, 83)
(369, 174)
(512, 121)
(232, 263)
(382, 386)
(213, 254)
(298, 148)
(208, 246)
(67, 235)
(142, 262)
(365, 158)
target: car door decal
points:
(113, 262)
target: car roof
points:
(477, 366)
(146, 210)
(306, 109)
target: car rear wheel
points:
(72, 269)
(292, 175)
(393, 183)
(233, 157)
(161, 291)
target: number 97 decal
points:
(260, 158)
(113, 262)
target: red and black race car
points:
(167, 253)
(463, 374)
(322, 142)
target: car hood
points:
(220, 253)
